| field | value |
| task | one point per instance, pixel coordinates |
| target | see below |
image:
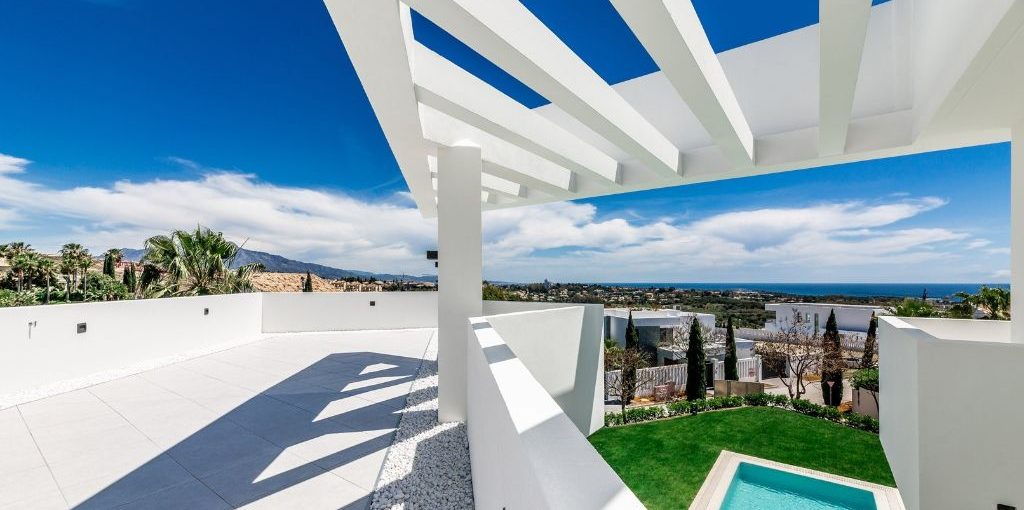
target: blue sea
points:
(935, 290)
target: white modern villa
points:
(330, 400)
(852, 320)
(652, 325)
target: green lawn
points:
(665, 462)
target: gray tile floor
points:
(294, 421)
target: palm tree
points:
(17, 255)
(22, 263)
(196, 263)
(911, 307)
(84, 263)
(994, 301)
(70, 256)
(47, 270)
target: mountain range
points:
(278, 264)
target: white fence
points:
(749, 369)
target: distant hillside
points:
(278, 264)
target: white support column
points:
(1017, 233)
(459, 271)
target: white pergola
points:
(903, 77)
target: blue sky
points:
(125, 118)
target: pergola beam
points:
(843, 27)
(489, 183)
(375, 38)
(510, 36)
(526, 167)
(448, 88)
(674, 37)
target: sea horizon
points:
(897, 290)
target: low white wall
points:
(951, 423)
(119, 335)
(563, 348)
(525, 451)
(288, 312)
(124, 337)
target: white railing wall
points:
(288, 312)
(654, 376)
(526, 452)
(950, 421)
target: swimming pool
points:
(742, 482)
(760, 487)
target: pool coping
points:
(712, 492)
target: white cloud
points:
(8, 218)
(328, 227)
(978, 243)
(12, 165)
(562, 241)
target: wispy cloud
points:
(829, 241)
(12, 165)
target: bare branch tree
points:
(628, 375)
(799, 352)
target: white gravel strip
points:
(427, 465)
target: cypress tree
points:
(307, 284)
(731, 373)
(129, 279)
(868, 359)
(108, 265)
(832, 361)
(696, 386)
(632, 335)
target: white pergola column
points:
(459, 272)
(1017, 233)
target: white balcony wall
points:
(121, 337)
(288, 312)
(563, 348)
(526, 452)
(950, 421)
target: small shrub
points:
(830, 413)
(679, 407)
(806, 407)
(781, 401)
(860, 421)
(757, 399)
(612, 419)
(639, 414)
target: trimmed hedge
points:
(684, 407)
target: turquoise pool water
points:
(757, 487)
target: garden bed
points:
(688, 407)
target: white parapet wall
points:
(289, 312)
(564, 350)
(950, 417)
(42, 353)
(42, 350)
(526, 451)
